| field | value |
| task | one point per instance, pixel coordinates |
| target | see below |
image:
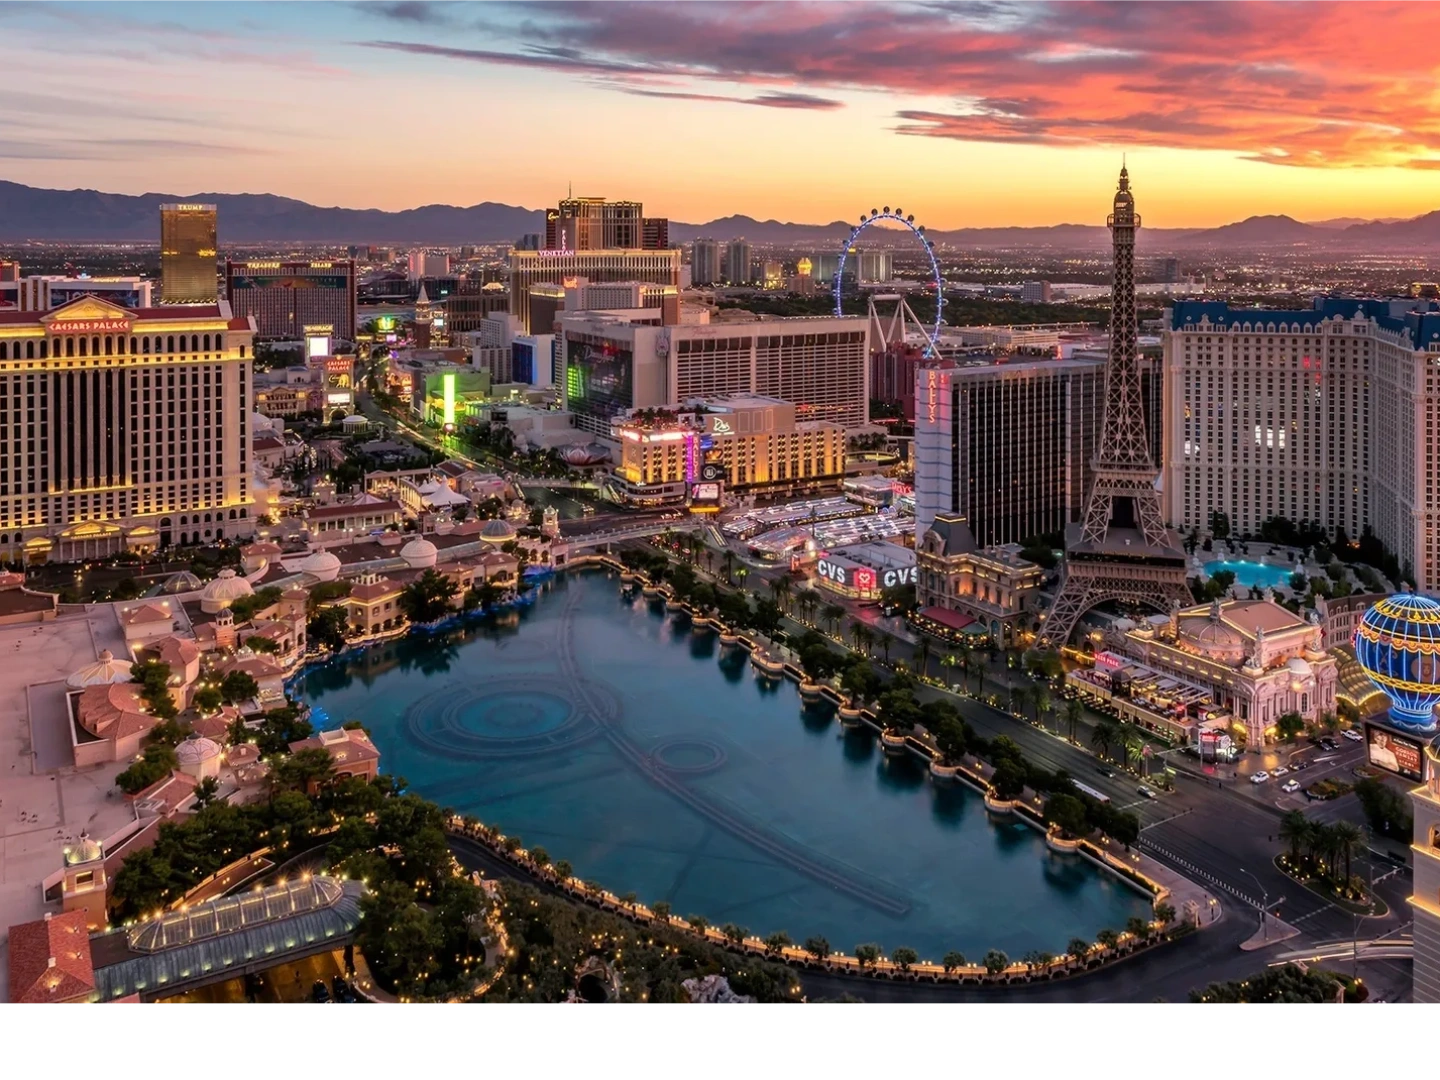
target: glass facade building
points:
(187, 253)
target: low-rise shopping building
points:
(962, 590)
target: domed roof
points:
(82, 851)
(193, 751)
(419, 553)
(182, 582)
(1299, 666)
(1204, 630)
(105, 670)
(225, 590)
(321, 564)
(497, 531)
(1398, 645)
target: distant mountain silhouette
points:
(1265, 229)
(1346, 222)
(29, 213)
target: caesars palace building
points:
(122, 429)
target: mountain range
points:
(46, 214)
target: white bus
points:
(1098, 796)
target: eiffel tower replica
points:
(1122, 550)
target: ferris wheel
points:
(932, 333)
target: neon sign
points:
(90, 326)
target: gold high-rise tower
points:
(187, 253)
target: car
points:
(1329, 744)
(1352, 735)
(1290, 786)
(1103, 771)
(1145, 791)
(1279, 770)
(1260, 777)
(318, 994)
(1300, 765)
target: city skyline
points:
(1005, 114)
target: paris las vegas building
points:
(1326, 415)
(122, 429)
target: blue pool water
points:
(655, 761)
(1252, 574)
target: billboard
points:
(1395, 753)
(707, 493)
(599, 380)
(714, 473)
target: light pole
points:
(1264, 902)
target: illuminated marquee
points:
(91, 326)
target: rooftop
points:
(50, 959)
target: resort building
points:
(286, 297)
(1425, 863)
(349, 748)
(50, 961)
(344, 523)
(613, 364)
(1321, 415)
(1007, 443)
(108, 721)
(373, 606)
(216, 940)
(1252, 660)
(123, 429)
(742, 443)
(553, 267)
(963, 589)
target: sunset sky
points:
(964, 114)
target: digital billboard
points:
(1394, 753)
(599, 381)
(707, 493)
(713, 472)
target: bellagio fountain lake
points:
(658, 762)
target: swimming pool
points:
(1252, 574)
(656, 761)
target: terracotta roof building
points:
(108, 721)
(50, 960)
(350, 748)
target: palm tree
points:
(885, 641)
(780, 591)
(855, 629)
(832, 614)
(1040, 695)
(1072, 715)
(729, 562)
(1348, 837)
(864, 637)
(741, 573)
(923, 656)
(1295, 831)
(1106, 734)
(709, 559)
(977, 665)
(1017, 698)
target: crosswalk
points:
(1204, 875)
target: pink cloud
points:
(1315, 84)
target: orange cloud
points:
(1319, 85)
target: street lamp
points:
(1264, 899)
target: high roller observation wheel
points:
(908, 221)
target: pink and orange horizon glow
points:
(977, 114)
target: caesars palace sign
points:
(90, 326)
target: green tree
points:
(207, 791)
(832, 614)
(154, 677)
(952, 960)
(428, 598)
(238, 686)
(1164, 914)
(698, 923)
(1072, 715)
(1108, 938)
(563, 870)
(904, 958)
(207, 700)
(818, 947)
(661, 910)
(995, 962)
(734, 934)
(867, 955)
(1078, 948)
(1067, 813)
(156, 762)
(1290, 726)
(326, 629)
(777, 943)
(1295, 831)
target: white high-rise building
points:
(430, 264)
(704, 262)
(1327, 415)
